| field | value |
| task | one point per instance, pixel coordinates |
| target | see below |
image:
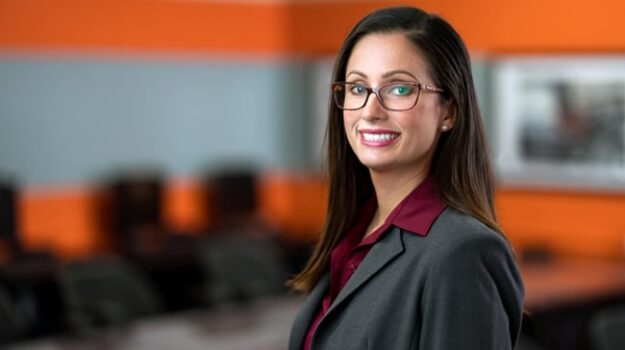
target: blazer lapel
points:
(378, 257)
(308, 311)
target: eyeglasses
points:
(396, 96)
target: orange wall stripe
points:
(299, 27)
(141, 25)
(69, 223)
(294, 204)
(65, 221)
(575, 223)
(185, 208)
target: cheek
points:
(421, 131)
(348, 117)
(349, 121)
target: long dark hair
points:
(460, 165)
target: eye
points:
(400, 89)
(357, 89)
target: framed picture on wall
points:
(560, 121)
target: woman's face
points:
(385, 140)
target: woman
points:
(412, 256)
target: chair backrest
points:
(12, 324)
(133, 212)
(8, 216)
(527, 343)
(607, 328)
(233, 192)
(241, 267)
(137, 200)
(109, 290)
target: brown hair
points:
(460, 165)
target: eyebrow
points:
(385, 75)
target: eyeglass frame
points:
(376, 90)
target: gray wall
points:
(73, 119)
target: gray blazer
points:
(456, 288)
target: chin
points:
(377, 166)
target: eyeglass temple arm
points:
(431, 88)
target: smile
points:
(378, 138)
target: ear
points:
(449, 119)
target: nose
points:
(373, 110)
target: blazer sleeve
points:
(473, 297)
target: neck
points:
(392, 188)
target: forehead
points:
(376, 54)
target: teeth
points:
(379, 137)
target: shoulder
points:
(470, 278)
(460, 246)
(454, 233)
(452, 224)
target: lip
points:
(378, 143)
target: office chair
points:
(107, 291)
(135, 216)
(8, 220)
(241, 267)
(135, 212)
(12, 321)
(607, 329)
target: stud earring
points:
(445, 127)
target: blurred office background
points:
(161, 167)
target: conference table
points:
(263, 324)
(551, 287)
(565, 295)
